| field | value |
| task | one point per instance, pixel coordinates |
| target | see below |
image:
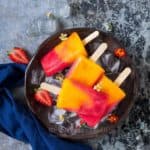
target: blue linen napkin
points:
(18, 122)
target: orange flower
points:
(120, 52)
(113, 118)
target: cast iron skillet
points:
(35, 75)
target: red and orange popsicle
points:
(79, 95)
(85, 70)
(89, 104)
(114, 95)
(65, 53)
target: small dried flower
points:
(61, 117)
(113, 118)
(82, 123)
(120, 52)
(97, 87)
(50, 15)
(60, 77)
(63, 36)
(108, 27)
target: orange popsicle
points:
(89, 104)
(114, 95)
(85, 70)
(77, 96)
(65, 53)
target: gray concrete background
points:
(24, 23)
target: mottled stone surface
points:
(24, 23)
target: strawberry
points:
(18, 55)
(43, 97)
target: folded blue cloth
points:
(17, 121)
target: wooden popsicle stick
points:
(99, 51)
(49, 87)
(90, 37)
(122, 76)
(119, 80)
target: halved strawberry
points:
(18, 55)
(43, 97)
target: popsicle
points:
(89, 104)
(79, 95)
(65, 53)
(114, 95)
(85, 70)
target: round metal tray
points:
(113, 66)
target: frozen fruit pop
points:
(98, 105)
(65, 53)
(89, 104)
(85, 70)
(79, 95)
(114, 95)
